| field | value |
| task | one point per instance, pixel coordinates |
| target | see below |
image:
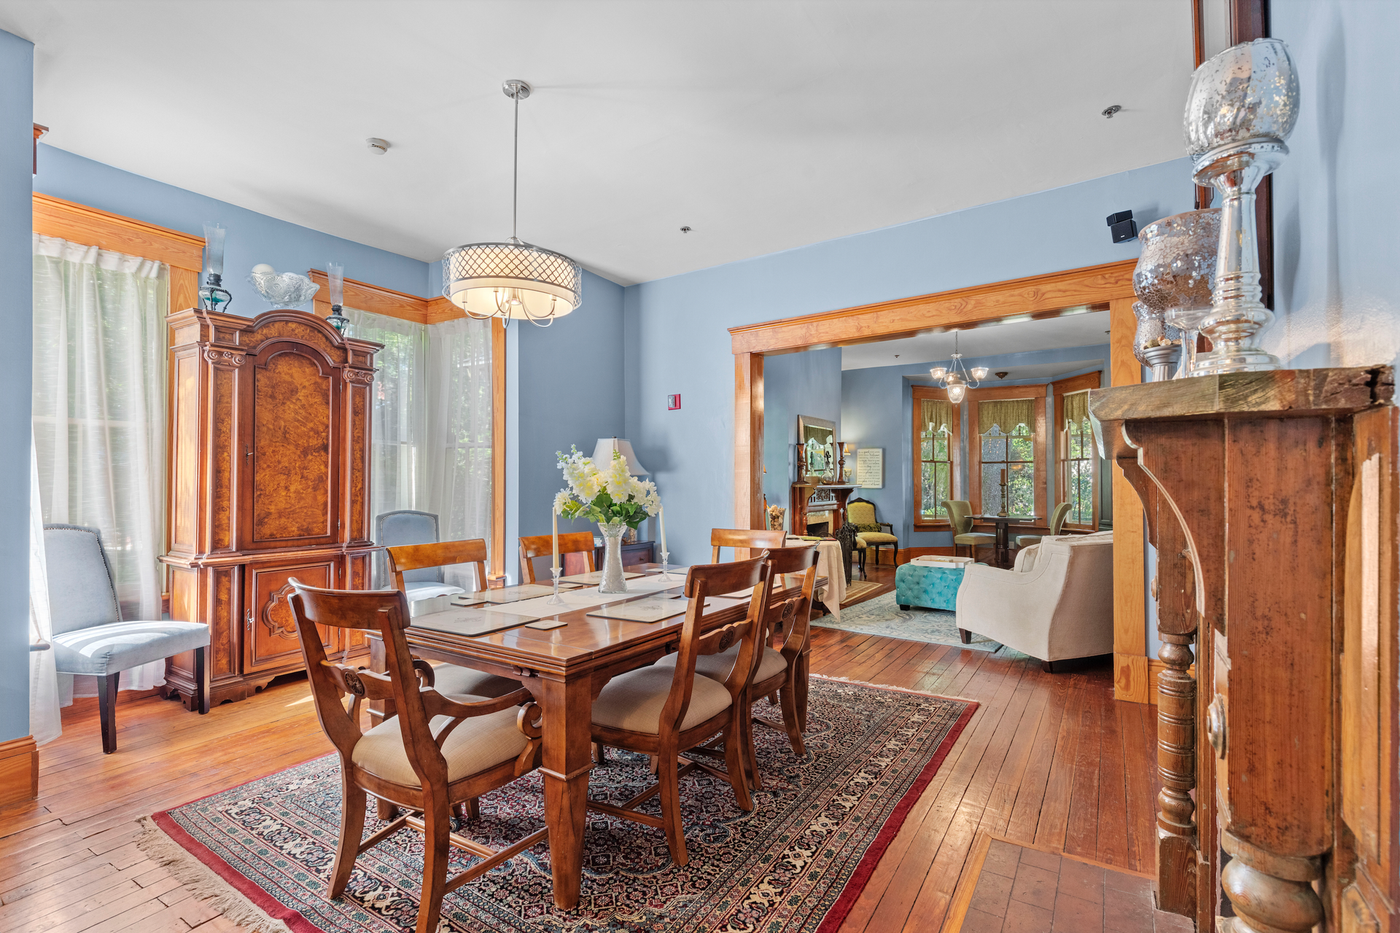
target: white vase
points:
(613, 580)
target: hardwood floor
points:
(1048, 759)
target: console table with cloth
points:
(564, 669)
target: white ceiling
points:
(993, 339)
(762, 125)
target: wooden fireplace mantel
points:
(1246, 480)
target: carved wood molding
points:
(361, 376)
(275, 626)
(225, 359)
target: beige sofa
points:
(1056, 604)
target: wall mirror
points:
(816, 439)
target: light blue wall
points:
(569, 380)
(795, 384)
(676, 335)
(16, 351)
(1337, 195)
(252, 237)
(877, 410)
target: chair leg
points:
(352, 828)
(790, 718)
(669, 776)
(201, 677)
(107, 710)
(735, 755)
(749, 751)
(600, 753)
(965, 635)
(436, 830)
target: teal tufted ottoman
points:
(927, 587)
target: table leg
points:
(568, 757)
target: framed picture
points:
(870, 467)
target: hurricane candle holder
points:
(213, 294)
(335, 279)
(1242, 105)
(1175, 274)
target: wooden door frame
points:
(1091, 288)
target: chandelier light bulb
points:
(980, 372)
(956, 391)
(938, 372)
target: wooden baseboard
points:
(909, 553)
(1130, 678)
(19, 770)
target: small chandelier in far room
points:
(514, 279)
(956, 378)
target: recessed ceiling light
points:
(1110, 110)
(377, 146)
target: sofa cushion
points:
(633, 701)
(120, 646)
(479, 743)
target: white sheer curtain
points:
(45, 724)
(458, 438)
(432, 423)
(99, 414)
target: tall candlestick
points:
(661, 516)
(555, 564)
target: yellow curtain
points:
(1005, 414)
(935, 414)
(1076, 407)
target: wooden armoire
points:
(1273, 500)
(269, 480)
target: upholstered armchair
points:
(870, 531)
(1056, 604)
(408, 526)
(89, 635)
(1057, 524)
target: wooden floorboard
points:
(1048, 759)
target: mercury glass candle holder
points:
(1242, 105)
(1176, 273)
(1155, 343)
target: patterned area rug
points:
(795, 863)
(882, 616)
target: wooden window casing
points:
(1039, 470)
(938, 519)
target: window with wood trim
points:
(1077, 470)
(1007, 444)
(937, 453)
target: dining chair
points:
(409, 526)
(664, 709)
(533, 546)
(1057, 524)
(452, 679)
(89, 635)
(752, 538)
(776, 670)
(960, 517)
(433, 754)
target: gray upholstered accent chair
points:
(960, 517)
(89, 636)
(407, 526)
(1057, 523)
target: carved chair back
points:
(706, 580)
(532, 546)
(407, 558)
(792, 616)
(752, 538)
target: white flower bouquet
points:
(607, 496)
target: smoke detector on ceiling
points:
(377, 146)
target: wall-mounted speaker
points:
(1122, 226)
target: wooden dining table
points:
(1002, 522)
(564, 669)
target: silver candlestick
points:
(1242, 105)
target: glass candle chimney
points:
(214, 249)
(335, 275)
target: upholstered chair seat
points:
(477, 744)
(718, 666)
(454, 681)
(109, 649)
(633, 701)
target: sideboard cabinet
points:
(269, 480)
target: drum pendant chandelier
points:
(514, 279)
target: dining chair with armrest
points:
(960, 517)
(433, 754)
(752, 538)
(410, 526)
(452, 679)
(1057, 523)
(533, 546)
(89, 634)
(663, 710)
